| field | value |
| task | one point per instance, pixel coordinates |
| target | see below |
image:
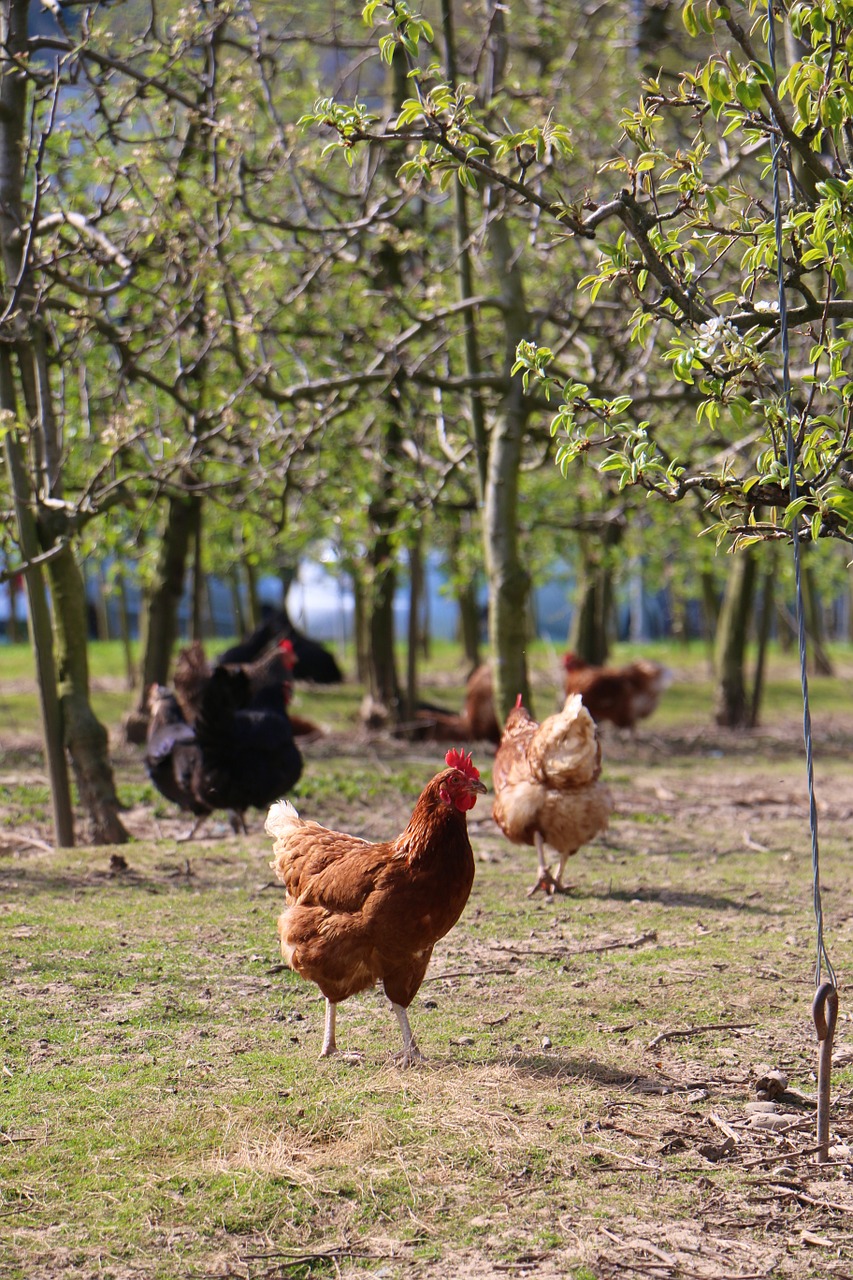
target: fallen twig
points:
(14, 840)
(781, 1157)
(695, 1031)
(724, 1127)
(293, 1258)
(465, 973)
(650, 936)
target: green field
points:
(584, 1107)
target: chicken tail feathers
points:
(281, 820)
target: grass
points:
(164, 1113)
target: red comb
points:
(518, 702)
(287, 649)
(457, 759)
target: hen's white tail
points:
(282, 819)
(564, 750)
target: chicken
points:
(248, 751)
(172, 756)
(274, 666)
(477, 722)
(546, 781)
(313, 661)
(622, 695)
(232, 757)
(266, 674)
(357, 913)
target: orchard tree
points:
(124, 371)
(689, 237)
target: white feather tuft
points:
(281, 819)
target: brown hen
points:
(622, 695)
(546, 785)
(358, 913)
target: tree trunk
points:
(161, 615)
(41, 633)
(252, 604)
(85, 737)
(509, 582)
(469, 622)
(730, 653)
(592, 623)
(821, 663)
(588, 636)
(31, 344)
(359, 624)
(765, 619)
(198, 586)
(239, 621)
(12, 628)
(710, 612)
(383, 682)
(416, 583)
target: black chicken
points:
(314, 662)
(249, 757)
(267, 674)
(234, 757)
(172, 755)
(273, 668)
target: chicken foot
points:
(546, 881)
(410, 1053)
(199, 822)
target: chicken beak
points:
(478, 787)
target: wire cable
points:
(791, 451)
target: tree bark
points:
(732, 709)
(41, 633)
(359, 624)
(252, 604)
(416, 587)
(509, 582)
(160, 623)
(765, 619)
(592, 623)
(469, 622)
(240, 628)
(821, 663)
(85, 737)
(383, 682)
(124, 629)
(198, 583)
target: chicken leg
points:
(410, 1053)
(329, 1046)
(546, 880)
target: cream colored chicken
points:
(547, 788)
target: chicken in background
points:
(358, 913)
(312, 660)
(547, 788)
(172, 756)
(249, 755)
(622, 695)
(477, 721)
(234, 756)
(266, 673)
